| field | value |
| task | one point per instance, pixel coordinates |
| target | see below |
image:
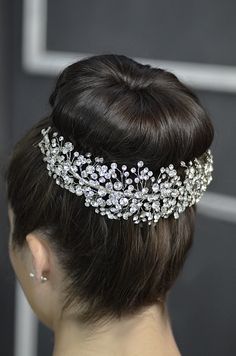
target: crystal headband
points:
(121, 193)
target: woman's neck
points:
(147, 334)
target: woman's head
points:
(123, 111)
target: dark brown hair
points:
(124, 111)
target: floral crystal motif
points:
(121, 193)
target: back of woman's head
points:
(123, 111)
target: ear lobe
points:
(40, 255)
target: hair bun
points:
(129, 111)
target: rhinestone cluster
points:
(120, 193)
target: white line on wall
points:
(26, 325)
(37, 59)
(218, 206)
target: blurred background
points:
(194, 39)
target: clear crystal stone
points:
(109, 185)
(113, 165)
(138, 194)
(175, 193)
(69, 146)
(104, 168)
(118, 185)
(155, 187)
(101, 202)
(124, 201)
(147, 205)
(129, 181)
(78, 191)
(84, 174)
(90, 169)
(66, 166)
(140, 163)
(133, 209)
(172, 173)
(102, 192)
(156, 205)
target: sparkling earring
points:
(43, 279)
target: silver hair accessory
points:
(121, 193)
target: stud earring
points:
(43, 279)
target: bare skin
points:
(147, 334)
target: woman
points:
(102, 201)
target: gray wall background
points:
(202, 303)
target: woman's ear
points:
(40, 256)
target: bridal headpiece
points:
(119, 192)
